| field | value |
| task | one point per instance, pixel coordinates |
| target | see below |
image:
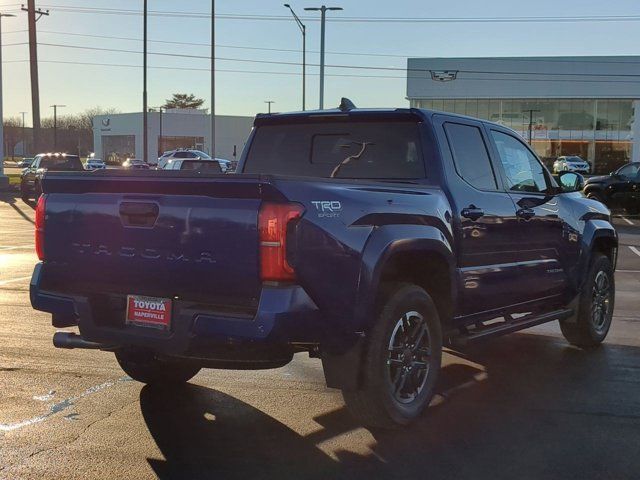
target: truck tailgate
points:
(161, 235)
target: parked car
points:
(200, 164)
(193, 155)
(31, 177)
(571, 164)
(25, 163)
(95, 164)
(619, 189)
(367, 238)
(136, 164)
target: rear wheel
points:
(146, 367)
(402, 361)
(590, 326)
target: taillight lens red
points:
(40, 217)
(272, 225)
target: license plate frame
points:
(149, 312)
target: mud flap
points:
(342, 367)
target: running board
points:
(509, 325)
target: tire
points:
(379, 402)
(145, 367)
(24, 192)
(595, 196)
(37, 190)
(590, 326)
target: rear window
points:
(69, 162)
(209, 166)
(389, 150)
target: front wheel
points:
(402, 361)
(591, 324)
(146, 367)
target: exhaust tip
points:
(70, 340)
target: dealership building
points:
(586, 106)
(119, 136)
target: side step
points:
(509, 325)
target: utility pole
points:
(4, 180)
(55, 125)
(531, 110)
(323, 17)
(33, 65)
(145, 133)
(213, 79)
(24, 138)
(303, 29)
(269, 102)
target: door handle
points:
(472, 212)
(526, 213)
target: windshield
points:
(340, 149)
(68, 162)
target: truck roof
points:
(311, 116)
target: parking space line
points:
(634, 250)
(627, 271)
(19, 279)
(627, 220)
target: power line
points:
(263, 72)
(349, 67)
(352, 19)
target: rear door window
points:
(470, 155)
(385, 150)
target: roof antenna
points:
(346, 105)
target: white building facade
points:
(119, 136)
(586, 106)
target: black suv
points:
(619, 189)
(32, 175)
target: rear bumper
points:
(284, 315)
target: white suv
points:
(95, 164)
(571, 163)
(181, 153)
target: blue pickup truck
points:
(368, 238)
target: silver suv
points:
(181, 153)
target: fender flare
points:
(383, 244)
(595, 229)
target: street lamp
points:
(323, 11)
(269, 102)
(24, 138)
(303, 29)
(4, 180)
(55, 125)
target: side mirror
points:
(571, 182)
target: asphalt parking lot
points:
(525, 406)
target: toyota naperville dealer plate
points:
(148, 312)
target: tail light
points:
(272, 225)
(40, 216)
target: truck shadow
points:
(11, 200)
(524, 406)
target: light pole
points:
(303, 29)
(55, 125)
(145, 133)
(269, 102)
(323, 16)
(213, 79)
(160, 145)
(531, 110)
(24, 138)
(4, 180)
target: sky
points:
(79, 77)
